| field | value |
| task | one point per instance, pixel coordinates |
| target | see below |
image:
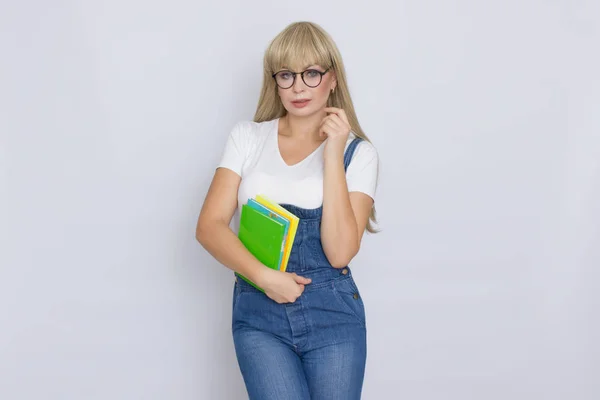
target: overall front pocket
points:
(348, 296)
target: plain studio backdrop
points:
(486, 118)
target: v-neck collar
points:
(304, 160)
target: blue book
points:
(265, 211)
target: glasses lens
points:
(312, 77)
(284, 79)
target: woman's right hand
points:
(283, 287)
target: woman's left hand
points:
(337, 128)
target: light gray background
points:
(486, 117)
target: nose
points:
(298, 84)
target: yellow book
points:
(293, 226)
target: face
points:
(314, 98)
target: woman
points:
(305, 336)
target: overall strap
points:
(350, 151)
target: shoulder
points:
(365, 150)
(250, 130)
(247, 138)
(363, 171)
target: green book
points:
(263, 236)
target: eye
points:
(285, 75)
(312, 73)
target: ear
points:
(333, 81)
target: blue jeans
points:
(314, 348)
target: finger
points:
(331, 127)
(321, 128)
(339, 112)
(333, 111)
(298, 278)
(337, 120)
(328, 123)
(301, 279)
(327, 118)
(341, 121)
(323, 121)
(325, 130)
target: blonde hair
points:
(303, 43)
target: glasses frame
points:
(302, 75)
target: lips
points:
(300, 101)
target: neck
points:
(304, 128)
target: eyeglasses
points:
(311, 77)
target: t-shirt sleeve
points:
(363, 172)
(235, 152)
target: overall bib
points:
(314, 348)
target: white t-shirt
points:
(252, 151)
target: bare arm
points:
(213, 232)
(345, 215)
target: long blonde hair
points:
(303, 43)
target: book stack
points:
(267, 230)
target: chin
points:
(303, 111)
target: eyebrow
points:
(306, 67)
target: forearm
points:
(339, 233)
(223, 244)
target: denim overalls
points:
(314, 348)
